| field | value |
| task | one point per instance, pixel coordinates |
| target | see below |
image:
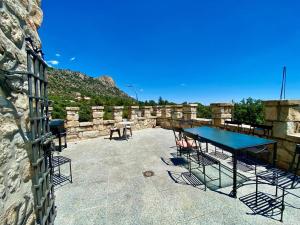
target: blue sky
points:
(204, 51)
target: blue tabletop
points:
(232, 140)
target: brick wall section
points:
(18, 19)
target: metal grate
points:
(148, 173)
(40, 137)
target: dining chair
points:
(199, 157)
(281, 180)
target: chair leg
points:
(71, 172)
(204, 178)
(256, 190)
(282, 205)
(130, 132)
(119, 132)
(220, 183)
(111, 134)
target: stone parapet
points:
(166, 111)
(190, 111)
(157, 110)
(98, 113)
(133, 112)
(117, 113)
(221, 112)
(176, 112)
(146, 111)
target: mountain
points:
(68, 84)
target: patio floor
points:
(109, 187)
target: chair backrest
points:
(192, 140)
(178, 132)
(267, 129)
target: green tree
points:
(249, 111)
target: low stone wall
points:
(99, 127)
(142, 117)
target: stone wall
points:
(18, 19)
(283, 115)
(176, 116)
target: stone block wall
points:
(221, 112)
(18, 19)
(284, 116)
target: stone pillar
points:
(98, 113)
(283, 115)
(72, 123)
(133, 112)
(166, 111)
(146, 111)
(190, 111)
(50, 110)
(221, 112)
(176, 112)
(118, 113)
(157, 110)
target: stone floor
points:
(109, 187)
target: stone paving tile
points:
(109, 187)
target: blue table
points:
(232, 142)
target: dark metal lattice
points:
(40, 138)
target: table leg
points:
(275, 154)
(234, 169)
(125, 133)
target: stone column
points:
(221, 112)
(176, 112)
(166, 111)
(118, 113)
(283, 115)
(98, 112)
(72, 123)
(133, 112)
(146, 111)
(190, 111)
(50, 110)
(157, 110)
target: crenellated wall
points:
(18, 19)
(178, 115)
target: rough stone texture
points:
(146, 111)
(221, 112)
(157, 110)
(133, 112)
(18, 19)
(190, 111)
(176, 112)
(117, 113)
(166, 111)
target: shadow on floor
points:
(266, 205)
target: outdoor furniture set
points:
(188, 142)
(126, 127)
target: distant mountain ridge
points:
(67, 83)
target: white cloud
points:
(57, 55)
(72, 59)
(53, 62)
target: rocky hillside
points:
(67, 84)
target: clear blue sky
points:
(205, 51)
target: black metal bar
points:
(234, 186)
